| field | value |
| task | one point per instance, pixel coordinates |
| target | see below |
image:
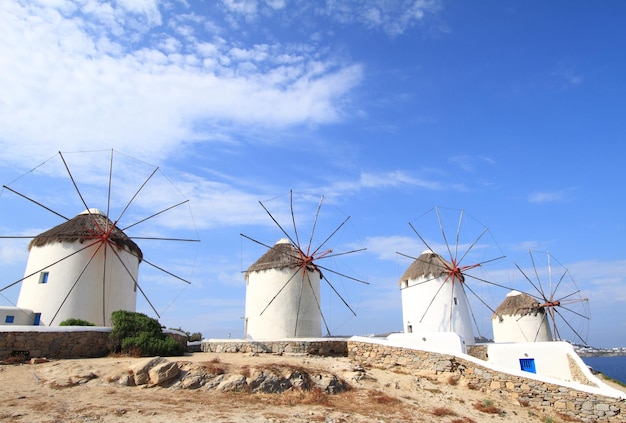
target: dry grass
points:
(442, 412)
(70, 383)
(213, 367)
(486, 406)
(245, 371)
(566, 418)
(453, 380)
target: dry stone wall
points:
(319, 347)
(52, 344)
(574, 403)
(62, 342)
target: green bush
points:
(148, 345)
(137, 334)
(75, 322)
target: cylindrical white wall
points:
(436, 305)
(521, 328)
(295, 310)
(98, 290)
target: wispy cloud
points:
(469, 163)
(544, 197)
(392, 18)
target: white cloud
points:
(73, 80)
(387, 247)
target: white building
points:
(520, 318)
(433, 299)
(17, 316)
(85, 268)
(282, 297)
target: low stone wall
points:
(574, 403)
(321, 347)
(63, 342)
(54, 344)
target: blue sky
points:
(512, 111)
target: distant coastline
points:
(602, 354)
(587, 351)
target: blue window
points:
(9, 319)
(527, 365)
(37, 320)
(43, 277)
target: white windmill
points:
(88, 266)
(520, 318)
(85, 268)
(433, 298)
(295, 313)
(563, 304)
(283, 293)
(435, 289)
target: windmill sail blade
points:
(421, 238)
(543, 297)
(443, 234)
(319, 307)
(339, 295)
(293, 220)
(540, 289)
(331, 235)
(432, 300)
(155, 214)
(130, 274)
(36, 202)
(278, 224)
(166, 271)
(48, 266)
(136, 194)
(73, 181)
(342, 274)
(344, 253)
(317, 214)
(571, 328)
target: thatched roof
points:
(518, 304)
(86, 226)
(428, 264)
(282, 255)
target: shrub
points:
(486, 406)
(442, 412)
(137, 334)
(146, 344)
(75, 322)
(196, 336)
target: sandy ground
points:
(49, 392)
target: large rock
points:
(141, 370)
(163, 372)
(236, 383)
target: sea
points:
(612, 366)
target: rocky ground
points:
(208, 387)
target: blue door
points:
(527, 365)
